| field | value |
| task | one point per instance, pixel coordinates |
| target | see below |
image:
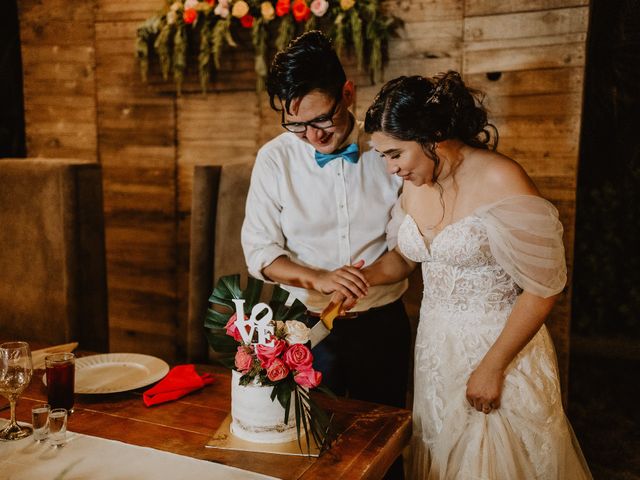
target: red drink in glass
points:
(61, 373)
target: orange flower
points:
(283, 7)
(247, 21)
(190, 15)
(301, 11)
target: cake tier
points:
(255, 418)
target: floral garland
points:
(358, 24)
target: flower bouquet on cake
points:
(268, 350)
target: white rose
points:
(297, 332)
(221, 11)
(171, 17)
(190, 4)
(175, 6)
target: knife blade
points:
(324, 326)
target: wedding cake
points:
(255, 417)
(266, 354)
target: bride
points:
(487, 401)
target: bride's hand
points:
(347, 280)
(485, 387)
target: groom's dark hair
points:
(308, 63)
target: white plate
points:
(116, 372)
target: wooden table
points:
(370, 437)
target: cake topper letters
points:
(263, 325)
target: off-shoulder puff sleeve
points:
(525, 237)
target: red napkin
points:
(181, 380)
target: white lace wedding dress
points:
(473, 272)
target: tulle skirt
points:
(528, 437)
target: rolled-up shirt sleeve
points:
(262, 237)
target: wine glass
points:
(15, 374)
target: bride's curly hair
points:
(430, 110)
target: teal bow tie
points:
(349, 153)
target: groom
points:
(316, 222)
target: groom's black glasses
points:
(321, 123)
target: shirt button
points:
(342, 205)
(338, 173)
(344, 236)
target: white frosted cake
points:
(255, 417)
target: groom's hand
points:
(347, 280)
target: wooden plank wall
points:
(58, 61)
(137, 149)
(84, 98)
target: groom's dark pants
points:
(367, 358)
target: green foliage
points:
(146, 32)
(163, 50)
(356, 36)
(285, 33)
(360, 27)
(339, 34)
(221, 34)
(204, 55)
(179, 55)
(259, 40)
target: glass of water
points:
(58, 426)
(40, 421)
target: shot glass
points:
(40, 421)
(58, 427)
(61, 373)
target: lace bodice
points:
(482, 262)
(459, 271)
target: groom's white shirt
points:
(320, 217)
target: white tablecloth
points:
(91, 458)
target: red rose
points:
(247, 21)
(308, 378)
(243, 359)
(301, 11)
(277, 370)
(189, 15)
(298, 357)
(211, 3)
(267, 355)
(283, 7)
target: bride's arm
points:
(485, 383)
(389, 268)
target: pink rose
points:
(232, 329)
(319, 7)
(244, 359)
(277, 370)
(298, 357)
(266, 355)
(308, 378)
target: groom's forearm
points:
(286, 271)
(389, 268)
